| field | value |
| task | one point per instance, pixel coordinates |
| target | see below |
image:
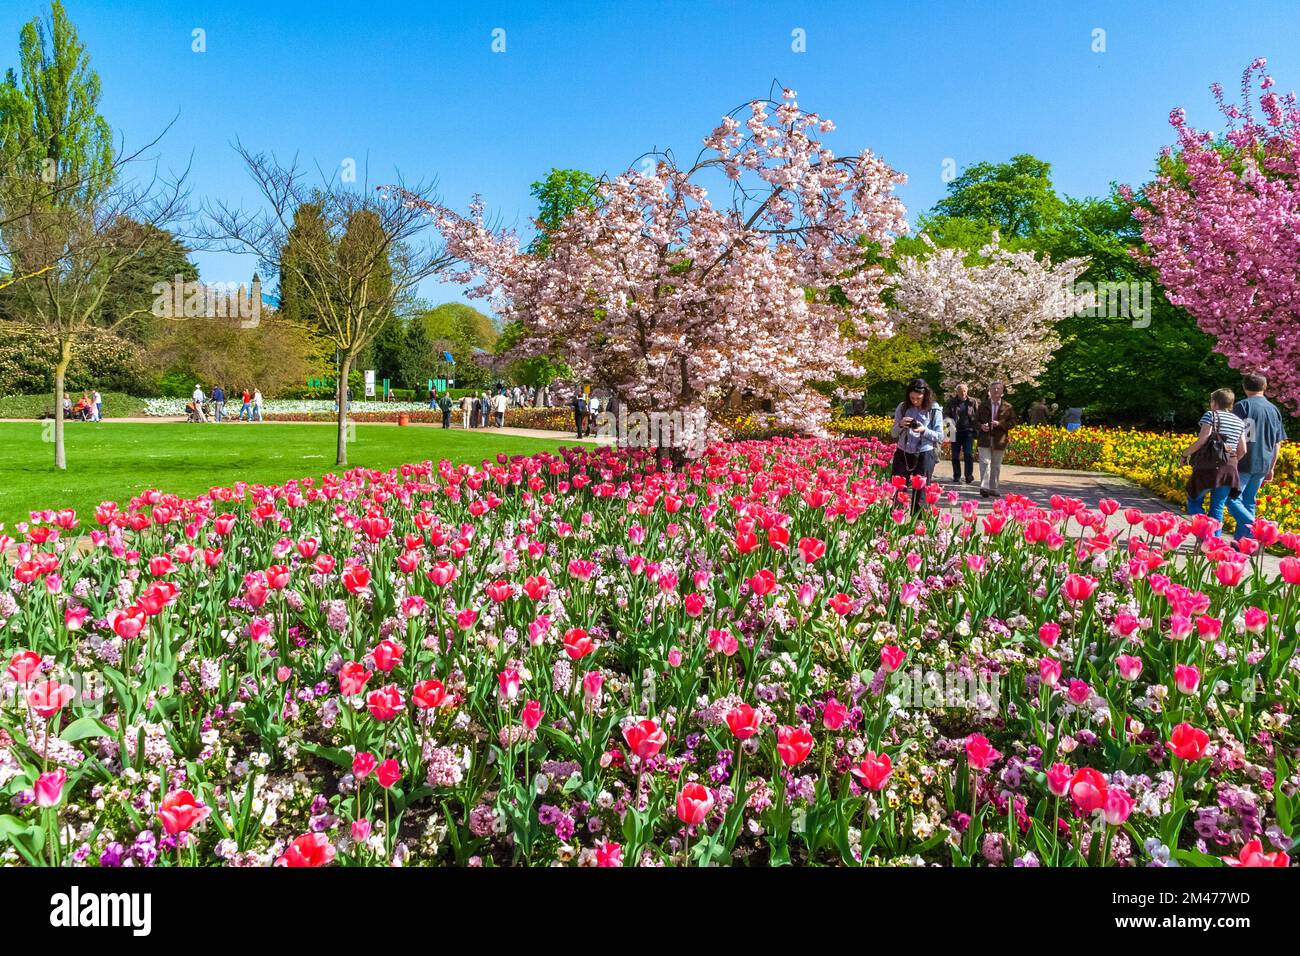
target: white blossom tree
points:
(989, 320)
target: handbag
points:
(1214, 453)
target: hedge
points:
(116, 405)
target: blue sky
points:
(416, 88)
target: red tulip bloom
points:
(498, 591)
(793, 744)
(1253, 855)
(352, 678)
(180, 812)
(763, 583)
(356, 579)
(1088, 789)
(645, 738)
(50, 697)
(891, 657)
(874, 770)
(1078, 588)
(980, 754)
(429, 694)
(385, 703)
(24, 665)
(388, 773)
(1188, 742)
(363, 765)
(577, 643)
(694, 804)
(811, 549)
(531, 715)
(609, 854)
(310, 849)
(387, 655)
(744, 722)
(48, 789)
(841, 604)
(1058, 779)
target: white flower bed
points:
(171, 407)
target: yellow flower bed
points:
(1149, 459)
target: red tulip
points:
(645, 738)
(874, 770)
(577, 643)
(1078, 588)
(388, 773)
(429, 694)
(1088, 789)
(352, 678)
(310, 849)
(1188, 742)
(24, 665)
(1253, 855)
(48, 790)
(694, 804)
(979, 752)
(385, 703)
(744, 722)
(363, 765)
(180, 812)
(50, 697)
(531, 715)
(793, 744)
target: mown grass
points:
(115, 462)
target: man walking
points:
(444, 403)
(198, 403)
(994, 420)
(500, 403)
(579, 412)
(961, 409)
(257, 404)
(218, 403)
(1264, 435)
(98, 401)
(246, 410)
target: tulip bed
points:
(1149, 459)
(589, 657)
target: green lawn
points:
(114, 462)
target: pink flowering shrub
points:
(596, 659)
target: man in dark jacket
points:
(579, 412)
(961, 410)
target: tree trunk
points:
(345, 367)
(60, 370)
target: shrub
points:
(99, 360)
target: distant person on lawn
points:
(199, 399)
(246, 410)
(98, 401)
(1038, 413)
(1212, 473)
(218, 403)
(466, 410)
(500, 402)
(993, 424)
(257, 404)
(1072, 419)
(444, 403)
(1265, 434)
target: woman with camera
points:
(917, 432)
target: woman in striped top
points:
(1220, 480)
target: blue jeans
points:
(1243, 509)
(1218, 498)
(963, 444)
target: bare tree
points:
(65, 251)
(349, 253)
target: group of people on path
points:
(476, 411)
(921, 426)
(197, 409)
(1234, 454)
(88, 408)
(586, 410)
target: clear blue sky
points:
(416, 88)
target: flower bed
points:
(171, 407)
(587, 659)
(1149, 459)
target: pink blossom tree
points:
(676, 303)
(1222, 223)
(992, 319)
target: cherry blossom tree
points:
(1222, 222)
(675, 302)
(990, 320)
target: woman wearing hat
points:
(917, 432)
